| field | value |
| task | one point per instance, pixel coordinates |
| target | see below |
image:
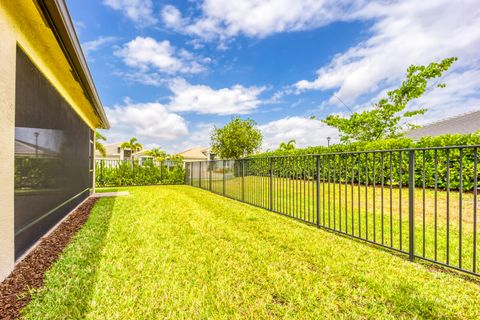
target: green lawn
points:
(180, 252)
(357, 210)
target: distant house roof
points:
(23, 148)
(464, 123)
(143, 152)
(197, 153)
(113, 150)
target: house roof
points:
(464, 123)
(141, 152)
(195, 153)
(58, 18)
(27, 149)
(112, 150)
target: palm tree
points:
(98, 145)
(157, 154)
(290, 145)
(133, 145)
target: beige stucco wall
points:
(7, 138)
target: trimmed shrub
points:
(132, 173)
(368, 167)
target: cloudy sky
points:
(168, 71)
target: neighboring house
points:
(142, 156)
(464, 123)
(29, 150)
(49, 110)
(197, 154)
(114, 152)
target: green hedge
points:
(402, 143)
(304, 167)
(38, 173)
(128, 173)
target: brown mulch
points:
(28, 273)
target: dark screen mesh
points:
(52, 170)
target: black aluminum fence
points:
(420, 202)
(114, 173)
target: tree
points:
(238, 138)
(133, 145)
(98, 145)
(175, 158)
(387, 119)
(157, 154)
(290, 145)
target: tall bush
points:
(338, 160)
(134, 173)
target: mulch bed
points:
(28, 273)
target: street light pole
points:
(36, 143)
(328, 141)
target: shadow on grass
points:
(70, 283)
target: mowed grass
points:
(178, 252)
(379, 215)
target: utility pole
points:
(36, 143)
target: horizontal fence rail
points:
(420, 202)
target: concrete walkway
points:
(111, 194)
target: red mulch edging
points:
(29, 272)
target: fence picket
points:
(340, 190)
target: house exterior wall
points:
(26, 25)
(22, 25)
(7, 137)
(111, 151)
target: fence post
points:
(200, 174)
(185, 178)
(161, 171)
(318, 192)
(101, 172)
(133, 171)
(224, 161)
(243, 180)
(191, 173)
(270, 189)
(209, 175)
(411, 204)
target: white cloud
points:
(139, 11)
(256, 18)
(147, 78)
(145, 54)
(403, 33)
(96, 44)
(172, 17)
(198, 137)
(461, 95)
(205, 100)
(147, 120)
(306, 132)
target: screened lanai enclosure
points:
(53, 156)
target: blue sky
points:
(168, 71)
